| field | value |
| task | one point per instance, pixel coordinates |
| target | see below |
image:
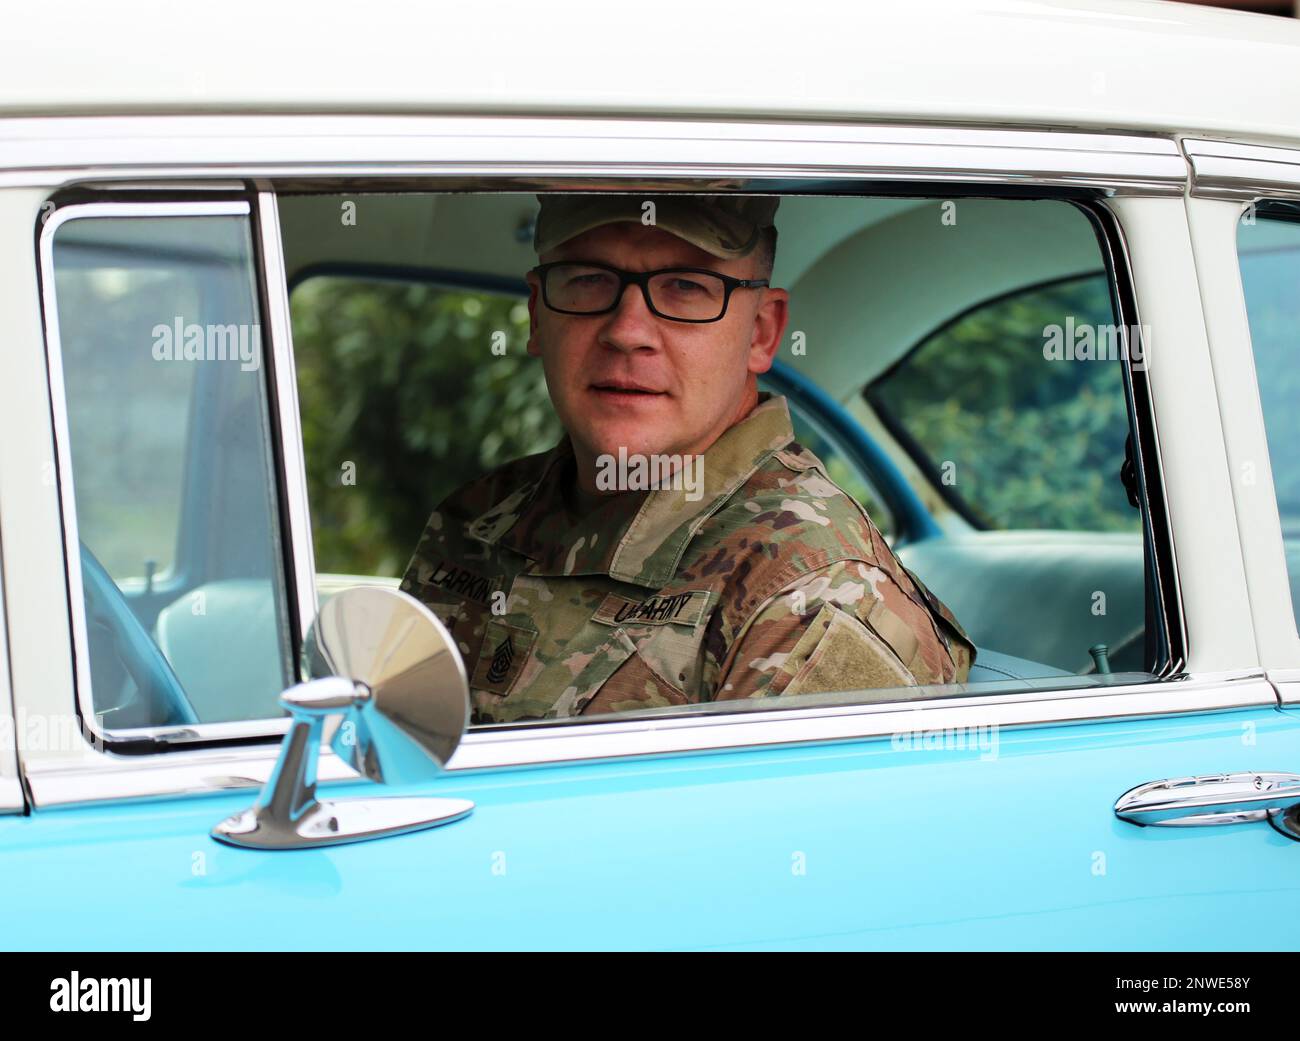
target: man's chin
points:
(632, 441)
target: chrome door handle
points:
(1191, 802)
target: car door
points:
(967, 819)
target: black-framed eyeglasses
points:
(680, 294)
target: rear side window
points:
(1015, 411)
(176, 528)
(1268, 244)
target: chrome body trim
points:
(681, 734)
(188, 733)
(216, 770)
(61, 151)
(1287, 682)
(1224, 170)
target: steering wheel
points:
(140, 656)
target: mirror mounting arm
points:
(290, 792)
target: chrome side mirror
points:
(384, 670)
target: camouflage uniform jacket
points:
(774, 582)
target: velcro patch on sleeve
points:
(688, 609)
(850, 657)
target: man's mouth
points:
(626, 389)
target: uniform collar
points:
(633, 537)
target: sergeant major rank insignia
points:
(502, 658)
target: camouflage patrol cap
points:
(726, 226)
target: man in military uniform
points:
(678, 545)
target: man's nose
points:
(631, 325)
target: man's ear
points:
(534, 288)
(769, 328)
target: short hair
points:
(765, 251)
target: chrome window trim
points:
(1227, 170)
(288, 419)
(54, 151)
(214, 771)
(84, 703)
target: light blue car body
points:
(860, 844)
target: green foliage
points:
(401, 381)
(1035, 443)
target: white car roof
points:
(1112, 64)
